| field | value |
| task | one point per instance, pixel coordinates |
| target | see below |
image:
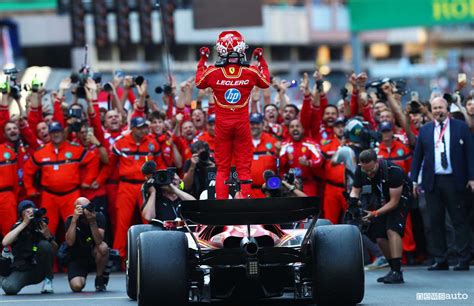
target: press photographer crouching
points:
(288, 186)
(33, 248)
(162, 193)
(384, 192)
(85, 231)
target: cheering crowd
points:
(94, 146)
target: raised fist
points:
(204, 52)
(257, 53)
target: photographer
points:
(195, 168)
(161, 199)
(388, 190)
(33, 247)
(85, 239)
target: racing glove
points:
(204, 52)
(257, 54)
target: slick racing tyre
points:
(320, 222)
(338, 267)
(162, 278)
(131, 270)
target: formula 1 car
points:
(237, 252)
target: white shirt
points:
(439, 147)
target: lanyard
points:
(441, 134)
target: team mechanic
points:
(388, 192)
(232, 80)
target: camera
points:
(10, 85)
(319, 85)
(204, 156)
(164, 177)
(166, 89)
(360, 133)
(75, 113)
(274, 185)
(80, 79)
(39, 215)
(90, 207)
(399, 84)
(138, 80)
(35, 85)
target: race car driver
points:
(232, 80)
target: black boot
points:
(100, 284)
(394, 277)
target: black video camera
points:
(399, 84)
(164, 177)
(11, 85)
(81, 79)
(39, 215)
(274, 185)
(165, 89)
(354, 215)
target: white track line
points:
(64, 299)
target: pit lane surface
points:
(418, 280)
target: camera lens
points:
(273, 182)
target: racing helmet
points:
(229, 42)
(354, 130)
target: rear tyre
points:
(163, 269)
(338, 267)
(131, 270)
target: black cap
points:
(25, 204)
(256, 118)
(55, 127)
(138, 122)
(385, 126)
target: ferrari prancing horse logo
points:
(232, 70)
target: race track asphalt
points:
(417, 280)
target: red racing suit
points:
(231, 87)
(8, 187)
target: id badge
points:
(55, 167)
(137, 157)
(255, 157)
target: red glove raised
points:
(204, 52)
(257, 53)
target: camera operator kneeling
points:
(162, 200)
(86, 246)
(33, 247)
(387, 211)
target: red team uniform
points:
(232, 83)
(290, 153)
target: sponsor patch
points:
(232, 95)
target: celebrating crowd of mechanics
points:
(93, 147)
